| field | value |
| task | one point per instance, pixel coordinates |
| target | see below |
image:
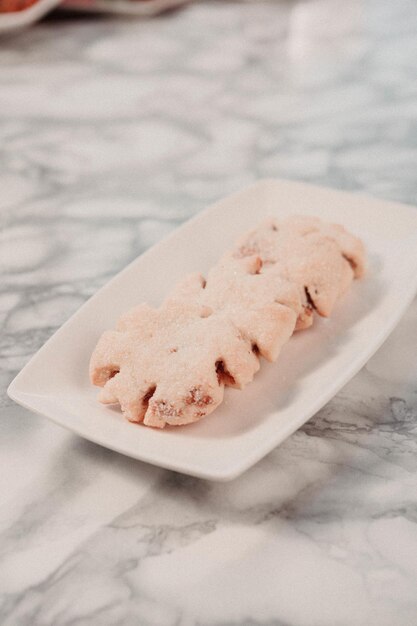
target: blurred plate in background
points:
(14, 19)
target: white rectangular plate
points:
(312, 367)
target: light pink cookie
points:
(170, 365)
(309, 253)
(350, 247)
(263, 306)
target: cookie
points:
(321, 259)
(263, 305)
(170, 365)
(351, 247)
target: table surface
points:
(113, 132)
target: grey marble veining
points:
(111, 134)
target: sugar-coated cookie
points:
(263, 305)
(170, 365)
(321, 259)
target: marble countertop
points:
(113, 132)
